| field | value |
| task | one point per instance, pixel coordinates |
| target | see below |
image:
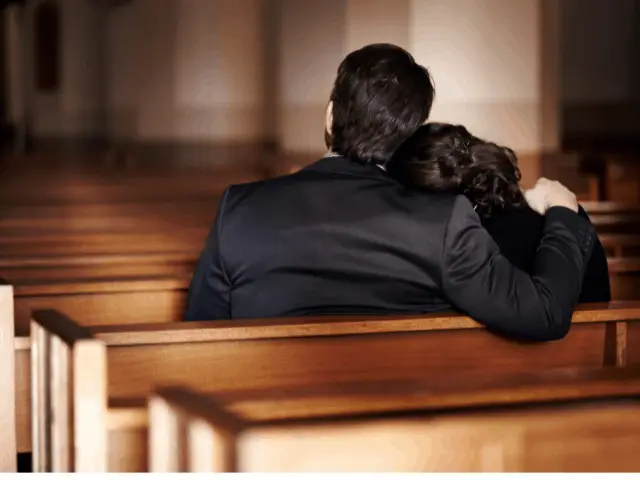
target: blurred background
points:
(556, 78)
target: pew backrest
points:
(68, 398)
(624, 277)
(7, 377)
(620, 244)
(104, 300)
(278, 353)
(194, 432)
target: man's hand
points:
(549, 193)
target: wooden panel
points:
(450, 432)
(373, 397)
(333, 349)
(624, 223)
(329, 325)
(7, 369)
(633, 339)
(128, 447)
(598, 208)
(108, 308)
(623, 180)
(90, 260)
(103, 301)
(621, 245)
(23, 400)
(501, 441)
(264, 363)
(625, 285)
(31, 274)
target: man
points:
(342, 237)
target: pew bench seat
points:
(129, 361)
(199, 433)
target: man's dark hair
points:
(380, 98)
(447, 158)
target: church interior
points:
(122, 122)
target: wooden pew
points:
(105, 208)
(621, 245)
(24, 243)
(121, 186)
(624, 278)
(97, 301)
(129, 361)
(441, 429)
(599, 208)
(95, 271)
(620, 223)
(180, 258)
(622, 177)
(7, 378)
(103, 300)
(116, 222)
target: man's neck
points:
(331, 153)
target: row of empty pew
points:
(101, 375)
(292, 394)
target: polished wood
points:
(103, 241)
(114, 300)
(249, 355)
(599, 208)
(624, 277)
(621, 245)
(8, 444)
(626, 223)
(419, 395)
(152, 334)
(47, 243)
(67, 368)
(587, 342)
(212, 437)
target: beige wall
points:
(635, 79)
(187, 70)
(218, 70)
(76, 109)
(597, 50)
(485, 56)
(13, 84)
(311, 47)
(486, 65)
(600, 61)
(377, 21)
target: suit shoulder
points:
(241, 193)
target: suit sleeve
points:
(596, 286)
(482, 283)
(209, 291)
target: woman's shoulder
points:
(517, 232)
(516, 221)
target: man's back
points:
(342, 237)
(336, 237)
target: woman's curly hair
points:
(442, 157)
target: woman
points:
(447, 158)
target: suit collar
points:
(339, 165)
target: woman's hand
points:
(550, 193)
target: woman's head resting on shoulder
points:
(442, 157)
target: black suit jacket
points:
(518, 233)
(340, 237)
